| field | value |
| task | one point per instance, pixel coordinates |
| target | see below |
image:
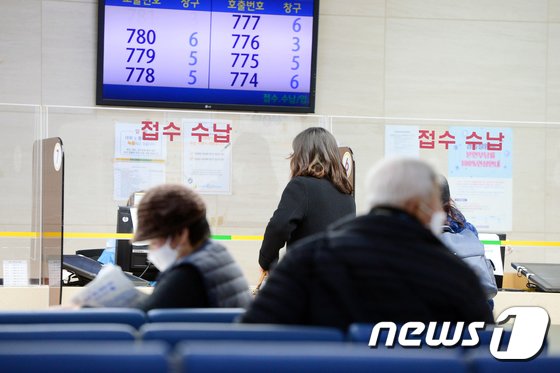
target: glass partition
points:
(111, 153)
(20, 256)
(504, 175)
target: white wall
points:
(471, 59)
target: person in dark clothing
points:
(318, 194)
(387, 265)
(195, 271)
(461, 237)
(455, 221)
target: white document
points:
(129, 143)
(207, 156)
(16, 272)
(486, 202)
(401, 141)
(131, 177)
(111, 288)
(54, 272)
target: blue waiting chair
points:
(129, 316)
(483, 362)
(309, 357)
(59, 332)
(221, 315)
(361, 332)
(173, 333)
(83, 357)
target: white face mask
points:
(436, 222)
(163, 257)
(437, 219)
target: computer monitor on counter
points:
(132, 258)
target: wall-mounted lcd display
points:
(208, 54)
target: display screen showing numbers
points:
(208, 54)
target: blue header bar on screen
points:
(302, 8)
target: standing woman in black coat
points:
(318, 194)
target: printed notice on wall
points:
(207, 155)
(485, 202)
(16, 272)
(130, 177)
(54, 272)
(140, 154)
(401, 141)
(139, 141)
(480, 176)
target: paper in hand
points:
(110, 288)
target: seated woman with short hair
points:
(195, 271)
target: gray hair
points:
(394, 181)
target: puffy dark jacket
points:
(209, 277)
(225, 284)
(384, 266)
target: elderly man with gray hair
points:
(387, 265)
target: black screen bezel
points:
(100, 100)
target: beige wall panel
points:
(530, 254)
(554, 10)
(20, 51)
(16, 249)
(529, 174)
(503, 10)
(361, 8)
(524, 254)
(350, 70)
(31, 298)
(246, 253)
(464, 69)
(19, 129)
(551, 187)
(18, 132)
(552, 255)
(549, 301)
(70, 48)
(553, 73)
